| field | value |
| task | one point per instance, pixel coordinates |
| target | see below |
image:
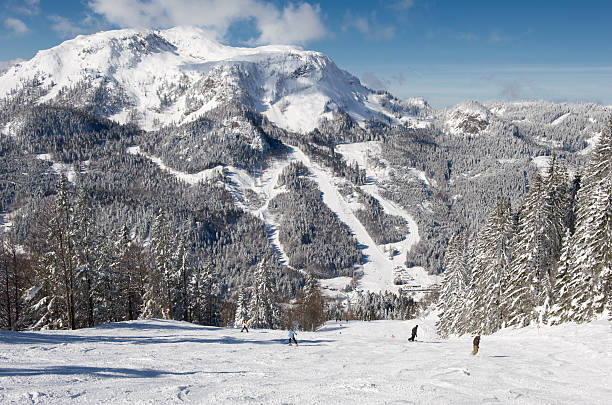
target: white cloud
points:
(295, 23)
(16, 25)
(361, 24)
(375, 82)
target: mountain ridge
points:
(157, 77)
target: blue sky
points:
(445, 51)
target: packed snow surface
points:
(169, 362)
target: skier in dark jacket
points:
(414, 332)
(244, 326)
(476, 345)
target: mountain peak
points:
(157, 77)
(468, 118)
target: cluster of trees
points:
(549, 262)
(370, 306)
(227, 135)
(72, 275)
(382, 227)
(311, 234)
(77, 275)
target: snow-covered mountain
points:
(426, 171)
(155, 78)
(467, 118)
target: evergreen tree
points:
(262, 306)
(455, 286)
(542, 219)
(208, 295)
(85, 254)
(242, 308)
(157, 297)
(183, 275)
(311, 308)
(563, 292)
(489, 272)
(591, 244)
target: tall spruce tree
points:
(542, 220)
(489, 272)
(85, 254)
(157, 297)
(590, 253)
(242, 308)
(311, 308)
(262, 306)
(455, 286)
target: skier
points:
(414, 332)
(292, 336)
(244, 326)
(476, 345)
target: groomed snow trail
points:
(378, 266)
(170, 362)
(377, 269)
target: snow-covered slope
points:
(378, 268)
(155, 78)
(169, 362)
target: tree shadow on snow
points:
(105, 372)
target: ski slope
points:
(377, 267)
(170, 362)
(362, 153)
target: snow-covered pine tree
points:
(203, 291)
(196, 301)
(157, 296)
(591, 250)
(52, 300)
(312, 307)
(126, 276)
(563, 293)
(455, 286)
(182, 276)
(262, 306)
(208, 295)
(242, 308)
(484, 305)
(542, 219)
(107, 297)
(85, 254)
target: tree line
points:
(550, 261)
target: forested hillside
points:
(98, 223)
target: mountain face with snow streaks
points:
(154, 78)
